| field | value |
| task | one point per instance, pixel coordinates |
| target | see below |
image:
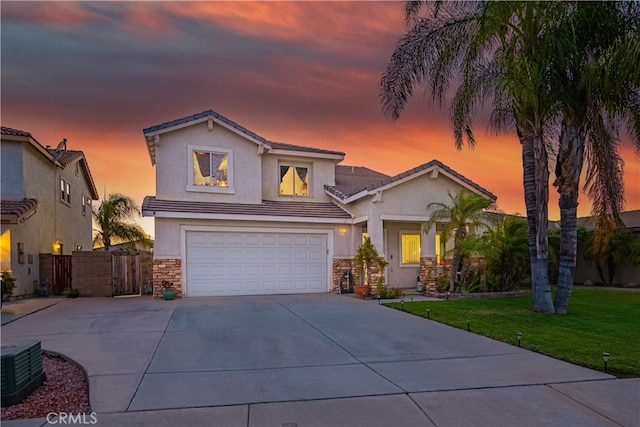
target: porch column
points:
(428, 242)
(374, 229)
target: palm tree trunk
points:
(536, 196)
(568, 168)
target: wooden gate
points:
(126, 273)
(61, 273)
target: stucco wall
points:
(11, 171)
(52, 220)
(173, 157)
(627, 274)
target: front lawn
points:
(599, 320)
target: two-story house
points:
(237, 214)
(47, 195)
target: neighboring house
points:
(137, 245)
(236, 214)
(627, 274)
(46, 204)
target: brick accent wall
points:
(169, 270)
(91, 272)
(340, 266)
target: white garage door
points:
(234, 263)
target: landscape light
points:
(605, 357)
(468, 321)
(428, 314)
(519, 334)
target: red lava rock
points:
(65, 390)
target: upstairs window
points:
(86, 204)
(210, 169)
(294, 180)
(65, 191)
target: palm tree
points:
(497, 50)
(506, 252)
(114, 220)
(465, 210)
(593, 110)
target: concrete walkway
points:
(310, 360)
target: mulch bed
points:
(65, 390)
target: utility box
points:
(21, 371)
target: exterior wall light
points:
(342, 230)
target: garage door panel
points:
(316, 270)
(244, 263)
(317, 240)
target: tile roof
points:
(631, 220)
(344, 192)
(241, 129)
(13, 210)
(14, 132)
(65, 157)
(353, 179)
(324, 210)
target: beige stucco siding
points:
(404, 202)
(12, 170)
(173, 157)
(34, 176)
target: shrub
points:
(442, 283)
(8, 283)
(71, 293)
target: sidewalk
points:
(17, 308)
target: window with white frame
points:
(65, 191)
(294, 180)
(210, 169)
(86, 204)
(409, 248)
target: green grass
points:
(599, 320)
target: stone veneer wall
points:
(340, 266)
(429, 265)
(169, 270)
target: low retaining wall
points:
(476, 295)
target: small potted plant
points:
(168, 290)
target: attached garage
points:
(220, 263)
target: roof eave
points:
(371, 190)
(152, 136)
(298, 153)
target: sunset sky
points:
(303, 73)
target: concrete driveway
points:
(311, 360)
